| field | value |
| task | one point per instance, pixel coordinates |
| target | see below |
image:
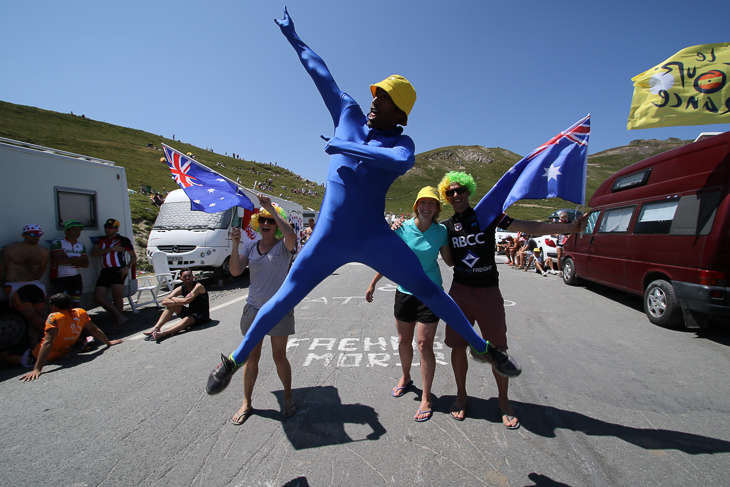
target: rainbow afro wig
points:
(255, 219)
(461, 178)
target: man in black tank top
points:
(189, 301)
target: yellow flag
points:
(690, 88)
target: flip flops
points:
(288, 412)
(239, 419)
(454, 409)
(155, 336)
(399, 391)
(507, 420)
(428, 412)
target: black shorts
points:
(70, 285)
(198, 318)
(28, 295)
(109, 276)
(409, 308)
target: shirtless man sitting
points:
(189, 301)
(22, 264)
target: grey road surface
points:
(606, 399)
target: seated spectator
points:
(22, 265)
(542, 263)
(63, 328)
(504, 246)
(524, 253)
(189, 301)
(517, 244)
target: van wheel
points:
(12, 330)
(661, 305)
(225, 268)
(569, 276)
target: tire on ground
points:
(569, 276)
(661, 305)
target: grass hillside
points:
(128, 148)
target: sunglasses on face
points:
(452, 192)
(270, 221)
(34, 234)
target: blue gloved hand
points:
(286, 24)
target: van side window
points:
(76, 204)
(692, 214)
(616, 220)
(696, 214)
(592, 218)
(656, 217)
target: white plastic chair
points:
(154, 284)
(144, 283)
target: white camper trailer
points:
(48, 187)
(203, 240)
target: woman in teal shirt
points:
(427, 238)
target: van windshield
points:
(179, 216)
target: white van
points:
(48, 187)
(203, 240)
(307, 214)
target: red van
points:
(660, 228)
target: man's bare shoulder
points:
(10, 248)
(21, 250)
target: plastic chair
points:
(144, 283)
(163, 277)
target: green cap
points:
(72, 223)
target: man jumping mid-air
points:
(368, 154)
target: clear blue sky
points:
(219, 73)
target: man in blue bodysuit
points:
(368, 154)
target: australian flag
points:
(208, 191)
(555, 169)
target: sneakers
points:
(502, 362)
(89, 344)
(221, 375)
(544, 273)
